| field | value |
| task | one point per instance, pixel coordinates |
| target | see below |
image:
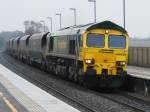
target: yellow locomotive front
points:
(105, 55)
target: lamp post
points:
(94, 1)
(75, 15)
(51, 26)
(59, 14)
(42, 21)
(124, 14)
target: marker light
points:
(107, 31)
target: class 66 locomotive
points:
(94, 54)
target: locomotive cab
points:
(105, 54)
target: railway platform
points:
(139, 80)
(19, 95)
(8, 103)
(139, 72)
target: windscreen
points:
(95, 40)
(116, 41)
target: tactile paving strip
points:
(24, 100)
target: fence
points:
(139, 56)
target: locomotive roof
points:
(91, 26)
(107, 25)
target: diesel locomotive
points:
(95, 53)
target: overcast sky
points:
(15, 12)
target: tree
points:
(5, 36)
(32, 27)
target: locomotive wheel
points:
(80, 80)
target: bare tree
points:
(6, 35)
(32, 27)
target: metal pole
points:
(60, 21)
(42, 21)
(59, 14)
(44, 26)
(51, 26)
(124, 14)
(95, 10)
(75, 15)
(94, 1)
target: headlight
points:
(89, 61)
(121, 63)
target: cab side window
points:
(72, 47)
(80, 39)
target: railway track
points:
(84, 107)
(137, 109)
(40, 83)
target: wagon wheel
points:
(80, 80)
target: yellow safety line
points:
(11, 107)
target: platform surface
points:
(8, 103)
(31, 97)
(139, 72)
